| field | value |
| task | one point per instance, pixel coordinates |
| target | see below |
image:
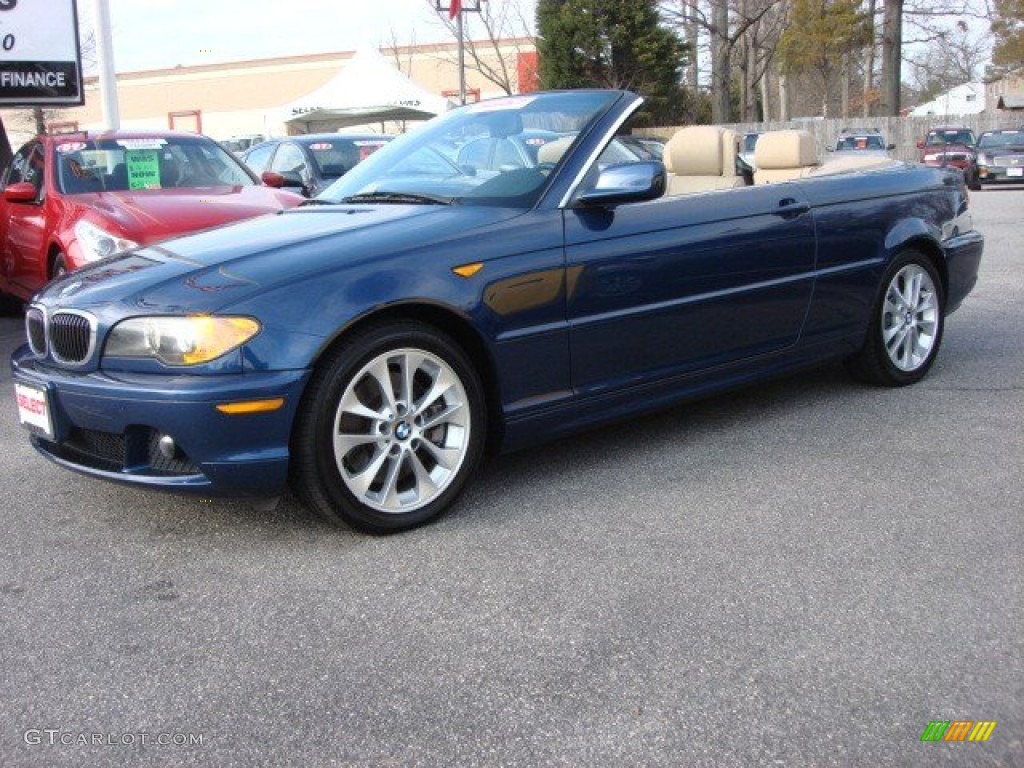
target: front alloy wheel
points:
(401, 430)
(390, 429)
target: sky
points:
(154, 34)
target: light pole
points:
(455, 10)
(107, 76)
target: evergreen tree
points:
(820, 34)
(1008, 30)
(612, 44)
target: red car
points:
(952, 145)
(70, 199)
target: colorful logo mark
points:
(958, 730)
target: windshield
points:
(172, 162)
(499, 152)
(859, 143)
(1004, 139)
(954, 136)
(333, 156)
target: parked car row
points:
(71, 199)
(310, 163)
(993, 157)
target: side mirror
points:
(289, 180)
(890, 147)
(626, 183)
(21, 192)
(272, 179)
(919, 145)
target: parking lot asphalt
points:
(806, 573)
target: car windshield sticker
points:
(143, 168)
(72, 146)
(497, 105)
(321, 146)
(142, 143)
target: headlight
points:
(983, 159)
(97, 243)
(180, 340)
(931, 157)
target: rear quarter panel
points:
(862, 221)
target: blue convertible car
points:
(371, 345)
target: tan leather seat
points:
(701, 158)
(784, 156)
(552, 151)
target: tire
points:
(907, 321)
(60, 266)
(973, 183)
(367, 454)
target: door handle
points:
(789, 206)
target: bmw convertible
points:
(372, 345)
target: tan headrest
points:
(552, 151)
(695, 150)
(730, 148)
(785, 149)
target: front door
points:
(679, 284)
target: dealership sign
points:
(40, 61)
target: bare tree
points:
(498, 27)
(908, 23)
(954, 58)
(404, 66)
(725, 23)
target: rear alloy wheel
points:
(390, 429)
(906, 325)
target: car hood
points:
(148, 215)
(205, 271)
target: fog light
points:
(167, 446)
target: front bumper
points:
(964, 165)
(109, 425)
(963, 258)
(994, 174)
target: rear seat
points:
(784, 156)
(701, 158)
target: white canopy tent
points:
(368, 90)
